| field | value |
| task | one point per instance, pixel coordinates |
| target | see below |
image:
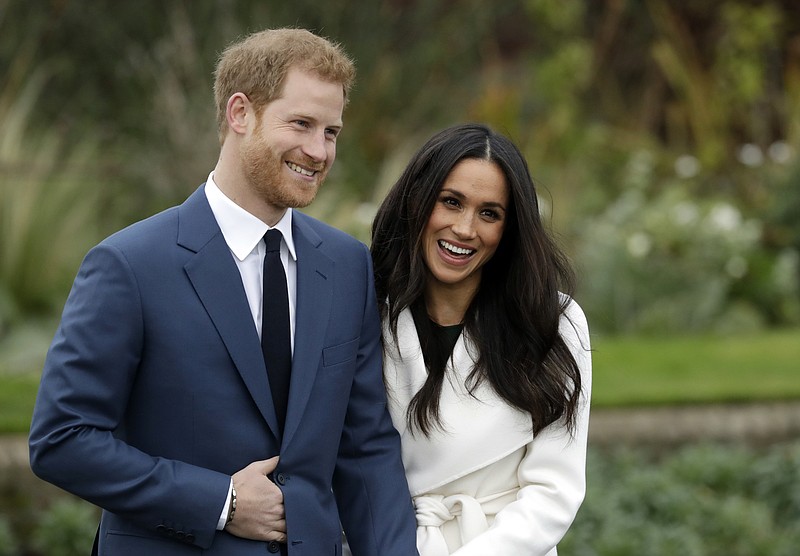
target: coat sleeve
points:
(370, 484)
(77, 432)
(552, 474)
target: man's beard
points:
(266, 173)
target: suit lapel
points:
(314, 292)
(216, 279)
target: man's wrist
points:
(232, 505)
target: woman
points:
(487, 362)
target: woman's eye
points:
(493, 215)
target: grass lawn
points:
(627, 371)
(646, 371)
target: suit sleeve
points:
(77, 432)
(370, 484)
(552, 474)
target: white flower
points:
(736, 266)
(784, 274)
(780, 152)
(687, 166)
(685, 213)
(725, 217)
(750, 155)
(639, 245)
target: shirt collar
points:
(242, 231)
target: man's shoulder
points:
(162, 228)
(157, 228)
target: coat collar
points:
(479, 428)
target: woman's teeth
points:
(455, 250)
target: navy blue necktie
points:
(275, 342)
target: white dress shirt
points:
(244, 234)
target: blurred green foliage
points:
(48, 210)
(8, 542)
(703, 500)
(664, 136)
(67, 528)
(18, 398)
(630, 114)
(693, 500)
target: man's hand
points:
(259, 504)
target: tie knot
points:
(273, 240)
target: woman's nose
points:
(464, 226)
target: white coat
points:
(483, 485)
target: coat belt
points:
(434, 510)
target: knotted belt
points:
(434, 510)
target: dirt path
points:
(756, 423)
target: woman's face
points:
(466, 224)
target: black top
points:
(437, 342)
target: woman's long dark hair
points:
(514, 318)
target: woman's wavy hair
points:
(514, 318)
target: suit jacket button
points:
(189, 538)
(281, 479)
(274, 547)
(161, 528)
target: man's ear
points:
(237, 113)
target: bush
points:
(704, 500)
(67, 528)
(660, 259)
(8, 544)
(775, 480)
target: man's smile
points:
(300, 170)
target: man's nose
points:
(315, 147)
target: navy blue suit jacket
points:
(154, 392)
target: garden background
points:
(665, 139)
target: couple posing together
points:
(232, 377)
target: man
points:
(157, 401)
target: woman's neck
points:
(447, 304)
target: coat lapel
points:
(216, 279)
(478, 419)
(314, 294)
